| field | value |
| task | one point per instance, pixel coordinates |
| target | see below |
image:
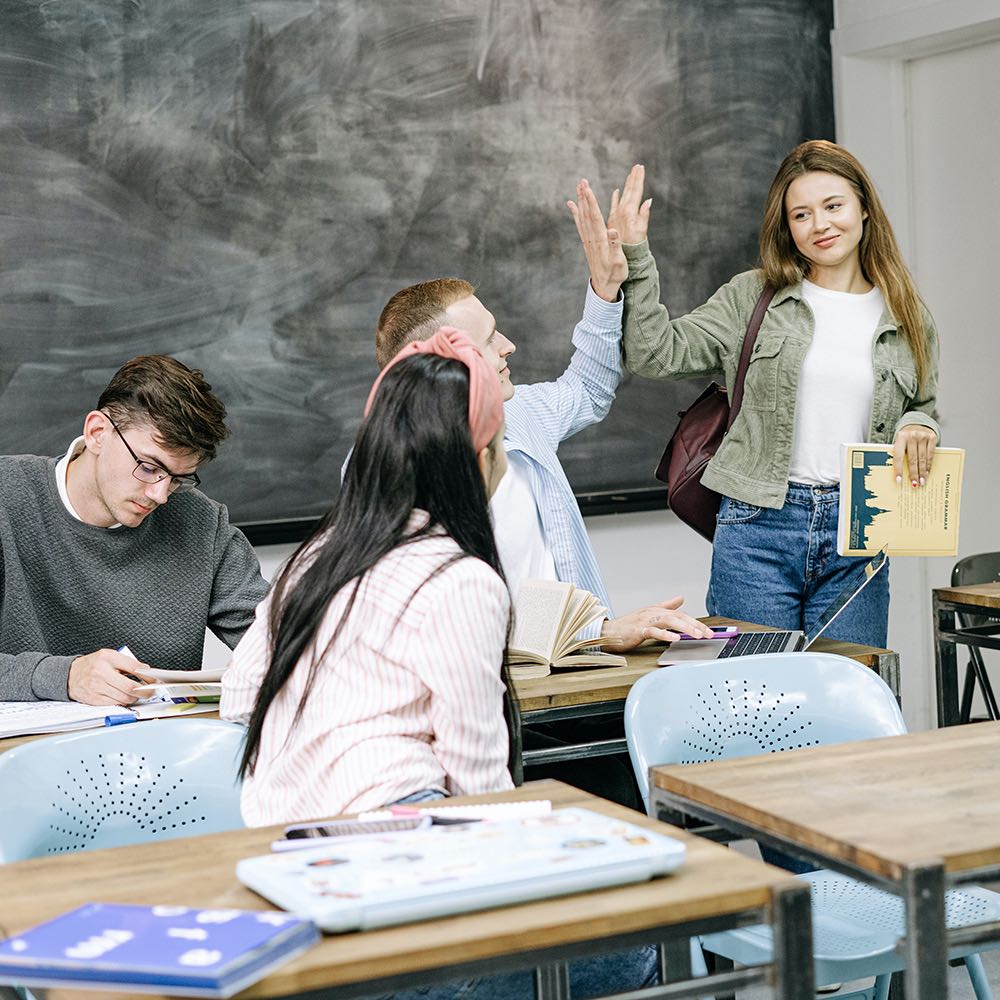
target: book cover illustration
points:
(175, 949)
(877, 512)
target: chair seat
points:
(855, 928)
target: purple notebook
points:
(154, 949)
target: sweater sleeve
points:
(237, 586)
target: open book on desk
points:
(548, 615)
(876, 512)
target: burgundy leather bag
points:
(699, 433)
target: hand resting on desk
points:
(658, 621)
(102, 678)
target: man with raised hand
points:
(113, 546)
(540, 532)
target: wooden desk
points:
(714, 888)
(949, 602)
(584, 693)
(908, 813)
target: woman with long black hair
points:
(374, 670)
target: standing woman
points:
(846, 352)
(373, 672)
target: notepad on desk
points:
(396, 878)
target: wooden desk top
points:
(980, 595)
(881, 804)
(565, 688)
(200, 871)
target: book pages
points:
(538, 614)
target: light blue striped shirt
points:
(541, 416)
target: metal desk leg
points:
(794, 978)
(946, 666)
(552, 981)
(926, 948)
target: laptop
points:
(395, 878)
(747, 643)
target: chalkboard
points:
(243, 183)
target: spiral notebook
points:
(396, 878)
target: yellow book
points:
(877, 512)
(548, 614)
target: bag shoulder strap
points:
(766, 294)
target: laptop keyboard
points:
(755, 642)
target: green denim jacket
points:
(753, 461)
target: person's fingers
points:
(614, 238)
(913, 459)
(663, 634)
(644, 211)
(898, 451)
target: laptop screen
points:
(845, 597)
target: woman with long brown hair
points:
(846, 352)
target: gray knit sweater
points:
(69, 588)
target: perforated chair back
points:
(693, 712)
(121, 785)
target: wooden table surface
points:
(979, 595)
(566, 688)
(200, 871)
(880, 804)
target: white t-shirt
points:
(517, 528)
(837, 382)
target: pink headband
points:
(485, 398)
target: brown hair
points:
(415, 313)
(881, 262)
(174, 399)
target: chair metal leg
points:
(976, 662)
(980, 985)
(968, 690)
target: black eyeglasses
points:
(147, 472)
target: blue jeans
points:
(589, 977)
(781, 568)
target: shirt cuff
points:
(636, 251)
(599, 312)
(592, 631)
(50, 679)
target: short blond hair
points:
(415, 313)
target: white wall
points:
(916, 84)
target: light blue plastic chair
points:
(694, 712)
(121, 785)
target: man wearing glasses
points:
(90, 563)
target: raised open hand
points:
(603, 246)
(629, 214)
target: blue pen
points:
(120, 720)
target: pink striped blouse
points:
(398, 705)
